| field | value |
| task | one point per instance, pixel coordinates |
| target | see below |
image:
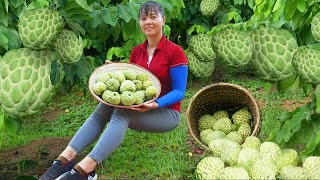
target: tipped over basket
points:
(220, 96)
(113, 67)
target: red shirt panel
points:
(166, 55)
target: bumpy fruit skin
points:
(246, 157)
(209, 168)
(99, 88)
(127, 98)
(241, 116)
(263, 169)
(270, 150)
(118, 75)
(235, 136)
(209, 7)
(142, 77)
(315, 27)
(287, 157)
(146, 84)
(151, 92)
(272, 53)
(206, 121)
(307, 63)
(251, 142)
(26, 80)
(223, 124)
(104, 77)
(234, 47)
(130, 74)
(199, 69)
(200, 45)
(216, 146)
(111, 97)
(312, 167)
(38, 28)
(208, 135)
(127, 85)
(69, 46)
(113, 85)
(204, 135)
(230, 152)
(220, 114)
(292, 172)
(140, 97)
(138, 84)
(234, 173)
(244, 130)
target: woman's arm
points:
(178, 76)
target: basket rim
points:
(252, 99)
(119, 64)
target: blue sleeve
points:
(178, 76)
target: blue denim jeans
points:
(156, 120)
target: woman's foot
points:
(75, 175)
(57, 170)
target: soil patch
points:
(32, 159)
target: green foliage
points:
(301, 127)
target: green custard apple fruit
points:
(209, 168)
(272, 53)
(69, 46)
(28, 80)
(200, 45)
(39, 28)
(234, 47)
(307, 63)
(315, 27)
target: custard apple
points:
(200, 45)
(272, 53)
(251, 142)
(247, 156)
(39, 28)
(312, 167)
(127, 85)
(209, 7)
(69, 46)
(199, 68)
(315, 27)
(127, 98)
(307, 63)
(28, 80)
(287, 157)
(209, 168)
(292, 172)
(206, 121)
(235, 172)
(234, 47)
(220, 114)
(241, 116)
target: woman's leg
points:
(158, 120)
(90, 130)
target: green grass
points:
(149, 155)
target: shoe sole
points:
(62, 175)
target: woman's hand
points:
(146, 106)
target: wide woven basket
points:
(111, 67)
(218, 96)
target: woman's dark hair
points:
(151, 6)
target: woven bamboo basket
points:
(218, 96)
(111, 67)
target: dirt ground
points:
(31, 159)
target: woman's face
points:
(151, 24)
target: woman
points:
(165, 60)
